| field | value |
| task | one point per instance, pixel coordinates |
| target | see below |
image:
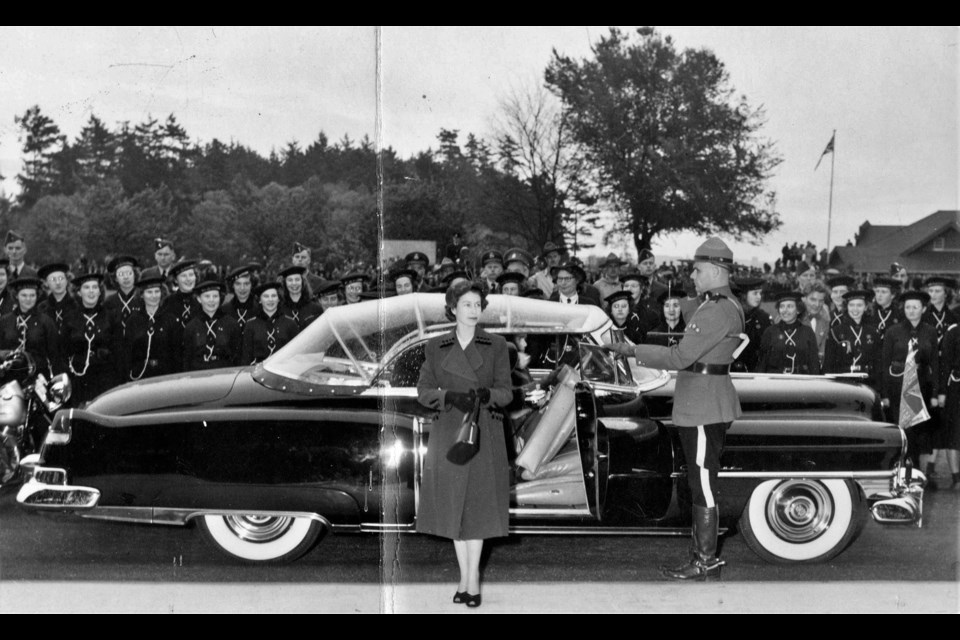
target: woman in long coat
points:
(950, 400)
(466, 503)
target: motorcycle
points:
(28, 402)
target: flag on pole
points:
(913, 410)
(829, 149)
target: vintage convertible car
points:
(327, 436)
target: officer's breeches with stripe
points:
(702, 447)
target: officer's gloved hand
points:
(619, 347)
(462, 400)
(484, 394)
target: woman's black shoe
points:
(471, 601)
(460, 597)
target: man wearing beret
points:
(705, 400)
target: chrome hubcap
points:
(799, 510)
(258, 528)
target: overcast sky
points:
(891, 94)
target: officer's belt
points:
(709, 369)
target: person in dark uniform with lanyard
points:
(705, 400)
(757, 321)
(126, 300)
(647, 311)
(28, 329)
(298, 303)
(839, 286)
(58, 305)
(911, 335)
(789, 346)
(270, 330)
(242, 307)
(669, 330)
(211, 339)
(626, 322)
(95, 342)
(854, 346)
(937, 315)
(182, 305)
(353, 286)
(147, 341)
(885, 309)
(7, 295)
(949, 400)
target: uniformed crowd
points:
(178, 315)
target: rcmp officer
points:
(789, 346)
(705, 400)
(885, 310)
(298, 303)
(211, 339)
(126, 300)
(756, 320)
(7, 294)
(270, 330)
(353, 286)
(625, 321)
(491, 267)
(242, 307)
(148, 349)
(854, 346)
(937, 315)
(94, 342)
(29, 329)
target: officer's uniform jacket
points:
(701, 399)
(211, 342)
(854, 348)
(788, 348)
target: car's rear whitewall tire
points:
(802, 520)
(261, 538)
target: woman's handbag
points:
(468, 437)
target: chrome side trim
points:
(844, 475)
(604, 531)
(532, 511)
(375, 527)
(181, 517)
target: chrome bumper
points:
(903, 504)
(47, 488)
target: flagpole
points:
(833, 156)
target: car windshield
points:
(347, 345)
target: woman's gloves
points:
(463, 400)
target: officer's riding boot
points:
(665, 569)
(955, 481)
(930, 472)
(704, 565)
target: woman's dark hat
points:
(294, 270)
(889, 283)
(153, 281)
(858, 294)
(208, 285)
(356, 276)
(327, 287)
(266, 286)
(922, 296)
(404, 273)
(618, 295)
(53, 267)
(239, 272)
(26, 283)
(743, 285)
(87, 277)
(121, 261)
(840, 281)
(182, 266)
(796, 296)
(947, 283)
(511, 276)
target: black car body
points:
(328, 435)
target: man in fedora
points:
(543, 280)
(609, 282)
(705, 400)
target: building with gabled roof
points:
(929, 246)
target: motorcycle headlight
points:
(59, 389)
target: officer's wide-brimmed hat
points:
(355, 276)
(715, 251)
(26, 283)
(618, 295)
(744, 285)
(889, 283)
(941, 281)
(417, 256)
(121, 261)
(858, 294)
(612, 260)
(511, 276)
(840, 281)
(922, 296)
(784, 296)
(295, 270)
(208, 285)
(518, 255)
(574, 269)
(53, 267)
(152, 281)
(87, 277)
(182, 266)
